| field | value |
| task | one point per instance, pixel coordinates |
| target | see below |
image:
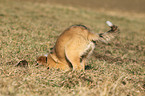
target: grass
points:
(130, 5)
(29, 29)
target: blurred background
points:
(121, 5)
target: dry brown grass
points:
(124, 5)
(27, 29)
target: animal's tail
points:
(109, 35)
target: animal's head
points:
(42, 60)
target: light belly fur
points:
(88, 50)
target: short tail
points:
(109, 35)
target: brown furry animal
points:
(73, 47)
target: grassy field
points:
(29, 29)
(124, 5)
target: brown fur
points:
(73, 47)
(42, 60)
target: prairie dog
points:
(74, 46)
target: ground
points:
(28, 29)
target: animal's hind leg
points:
(73, 55)
(74, 60)
(76, 63)
(83, 61)
(73, 51)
